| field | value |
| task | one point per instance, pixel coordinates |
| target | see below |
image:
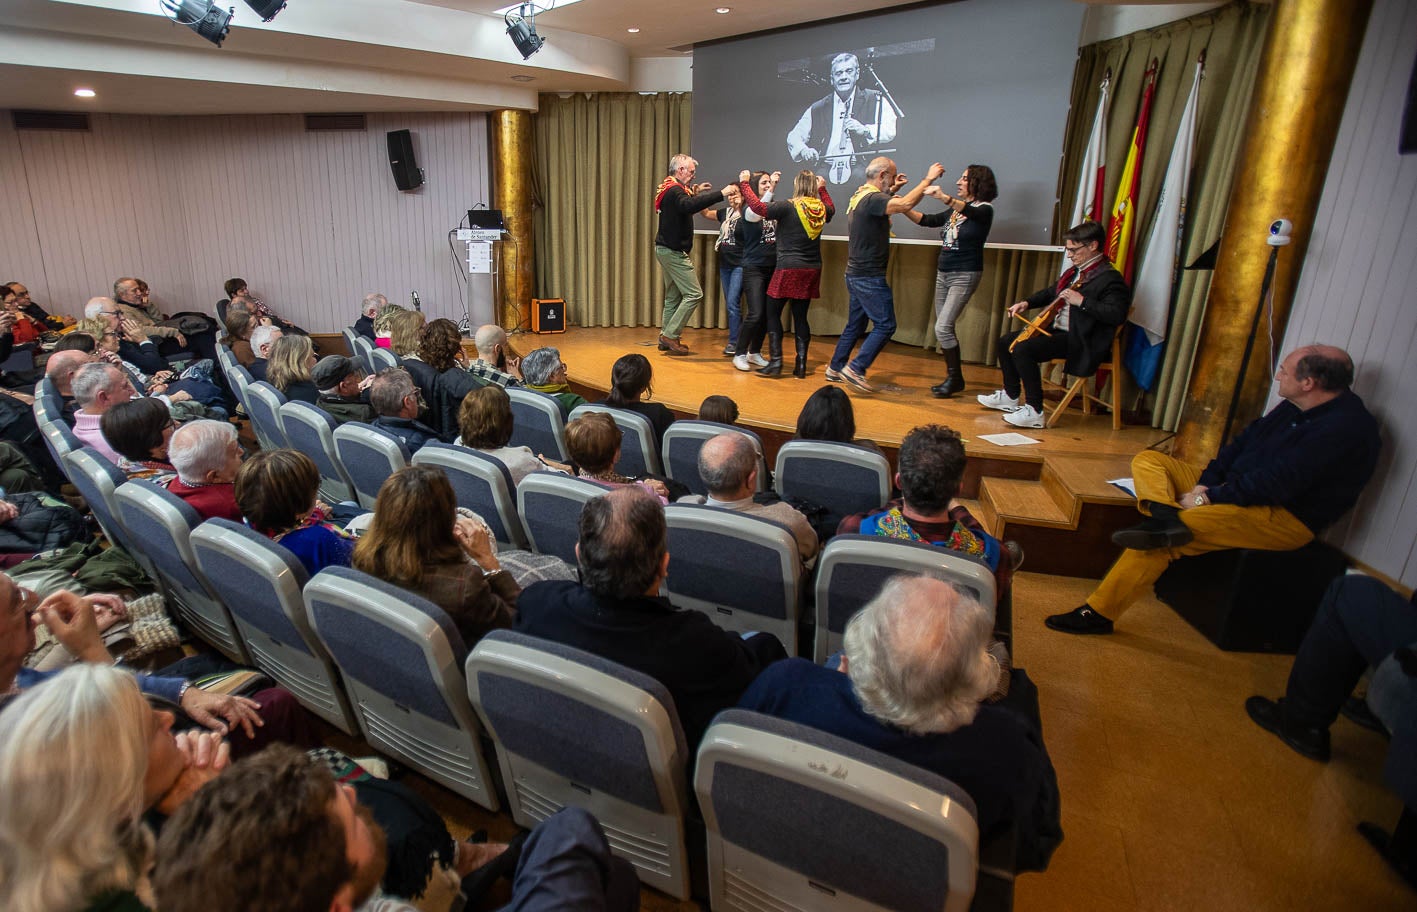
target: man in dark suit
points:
(845, 130)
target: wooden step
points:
(1085, 477)
(1026, 502)
(980, 511)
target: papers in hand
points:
(1008, 439)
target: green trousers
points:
(682, 293)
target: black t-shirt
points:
(759, 242)
(962, 245)
(730, 249)
(868, 232)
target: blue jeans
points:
(731, 278)
(871, 301)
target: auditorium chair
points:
(401, 659)
(482, 484)
(842, 478)
(263, 403)
(550, 506)
(364, 353)
(799, 819)
(382, 359)
(639, 451)
(742, 571)
(573, 729)
(537, 424)
(311, 430)
(47, 409)
(260, 582)
(684, 438)
(350, 334)
(97, 479)
(369, 455)
(59, 439)
(852, 569)
(161, 524)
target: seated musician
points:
(1088, 304)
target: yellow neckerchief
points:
(813, 213)
(861, 193)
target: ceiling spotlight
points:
(201, 16)
(633, 31)
(521, 28)
(85, 93)
(724, 9)
(266, 9)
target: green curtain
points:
(1232, 37)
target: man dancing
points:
(676, 201)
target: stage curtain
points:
(1232, 37)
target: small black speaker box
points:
(548, 315)
(407, 174)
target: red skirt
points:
(796, 284)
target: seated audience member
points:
(441, 350)
(278, 493)
(930, 469)
(407, 329)
(397, 403)
(418, 542)
(545, 372)
(25, 304)
(288, 369)
(239, 326)
(277, 831)
(631, 386)
(593, 442)
(60, 369)
(115, 332)
(139, 431)
(135, 301)
(78, 340)
(1283, 480)
(485, 420)
(616, 612)
(1361, 623)
(383, 325)
(24, 329)
(263, 339)
(494, 364)
(152, 376)
(828, 415)
(241, 299)
(720, 409)
(206, 456)
(369, 309)
(343, 389)
(913, 673)
(97, 388)
(728, 464)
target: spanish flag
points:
(1122, 229)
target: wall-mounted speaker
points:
(407, 174)
(548, 315)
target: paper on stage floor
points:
(1008, 439)
(1126, 484)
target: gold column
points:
(1300, 92)
(511, 192)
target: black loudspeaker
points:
(548, 315)
(407, 174)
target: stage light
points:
(201, 16)
(521, 28)
(266, 9)
(85, 93)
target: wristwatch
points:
(1198, 501)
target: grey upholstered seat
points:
(537, 423)
(742, 571)
(263, 403)
(48, 409)
(260, 583)
(382, 359)
(798, 819)
(363, 351)
(842, 478)
(639, 451)
(59, 439)
(574, 729)
(684, 438)
(311, 430)
(550, 506)
(45, 387)
(350, 335)
(852, 569)
(97, 480)
(161, 525)
(369, 455)
(483, 485)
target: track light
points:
(266, 9)
(201, 16)
(521, 28)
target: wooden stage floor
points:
(903, 374)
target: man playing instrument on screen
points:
(846, 129)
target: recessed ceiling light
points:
(85, 93)
(522, 77)
(633, 31)
(724, 9)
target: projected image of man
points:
(844, 130)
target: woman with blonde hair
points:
(383, 328)
(81, 757)
(288, 368)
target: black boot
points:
(774, 366)
(799, 370)
(954, 383)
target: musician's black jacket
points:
(1091, 324)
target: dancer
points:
(676, 201)
(758, 243)
(729, 247)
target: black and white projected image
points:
(838, 133)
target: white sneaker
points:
(998, 399)
(757, 360)
(741, 362)
(1025, 416)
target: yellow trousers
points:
(1161, 479)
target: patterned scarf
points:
(894, 525)
(1075, 278)
(813, 213)
(664, 186)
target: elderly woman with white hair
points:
(82, 756)
(911, 682)
(206, 455)
(543, 371)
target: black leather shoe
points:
(1082, 620)
(947, 387)
(1152, 533)
(1269, 715)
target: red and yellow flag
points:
(1122, 228)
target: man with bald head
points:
(60, 369)
(911, 681)
(1281, 482)
(728, 464)
(493, 365)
